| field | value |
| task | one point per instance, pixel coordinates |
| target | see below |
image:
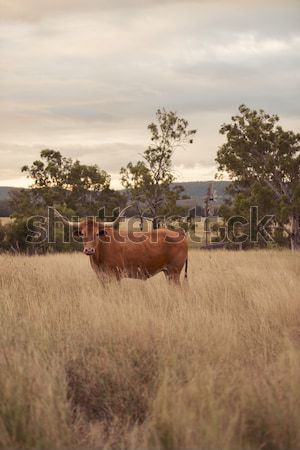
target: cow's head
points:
(91, 231)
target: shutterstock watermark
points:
(202, 230)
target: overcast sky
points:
(86, 76)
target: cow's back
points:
(144, 252)
(159, 249)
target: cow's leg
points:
(106, 277)
(103, 281)
(173, 276)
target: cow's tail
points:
(186, 269)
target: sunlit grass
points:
(212, 365)
(5, 220)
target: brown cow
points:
(138, 254)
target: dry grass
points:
(215, 365)
(5, 220)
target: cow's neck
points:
(104, 252)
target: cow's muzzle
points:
(89, 251)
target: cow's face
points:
(90, 232)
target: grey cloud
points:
(110, 156)
(87, 77)
(35, 10)
(13, 157)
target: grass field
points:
(5, 220)
(213, 365)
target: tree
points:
(74, 188)
(149, 180)
(263, 160)
(60, 180)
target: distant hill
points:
(4, 190)
(198, 189)
(5, 209)
(195, 189)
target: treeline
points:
(262, 160)
(74, 188)
(81, 190)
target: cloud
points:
(35, 10)
(87, 77)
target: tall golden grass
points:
(5, 220)
(211, 365)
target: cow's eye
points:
(101, 233)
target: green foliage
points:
(51, 171)
(59, 180)
(20, 236)
(149, 181)
(74, 188)
(263, 160)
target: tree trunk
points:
(155, 223)
(295, 236)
